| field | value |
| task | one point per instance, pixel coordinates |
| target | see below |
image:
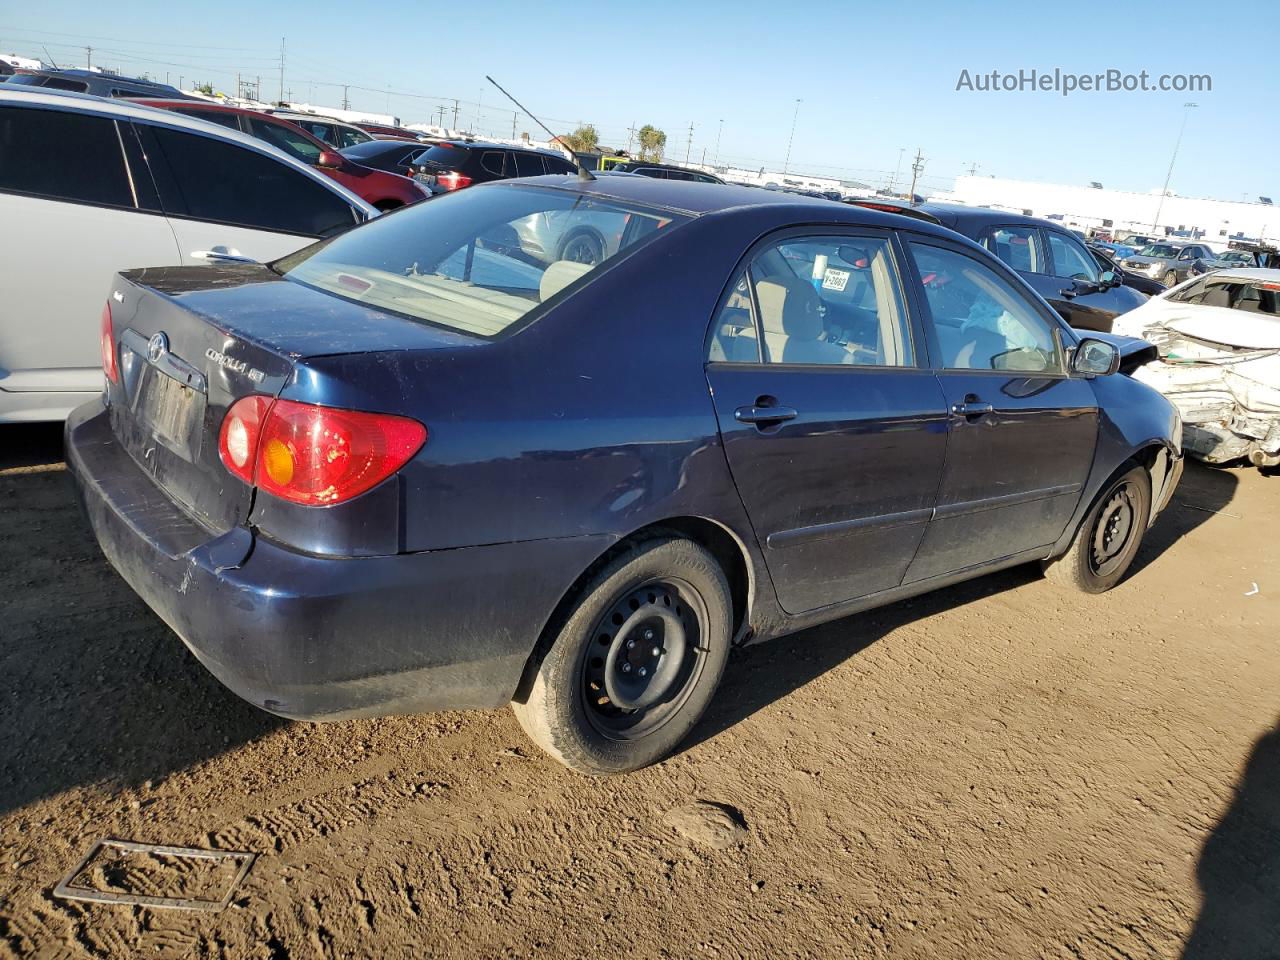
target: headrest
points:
(789, 306)
(559, 275)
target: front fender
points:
(1133, 420)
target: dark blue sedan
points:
(436, 462)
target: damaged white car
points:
(1218, 338)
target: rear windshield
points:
(479, 260)
(443, 155)
(1247, 295)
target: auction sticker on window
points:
(834, 279)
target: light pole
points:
(787, 163)
(893, 184)
(1186, 112)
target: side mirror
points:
(1095, 358)
(329, 159)
(1110, 279)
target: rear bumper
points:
(324, 638)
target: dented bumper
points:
(323, 638)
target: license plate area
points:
(172, 411)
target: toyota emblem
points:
(157, 346)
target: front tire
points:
(1170, 278)
(1109, 536)
(582, 248)
(636, 662)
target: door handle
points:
(972, 409)
(765, 415)
(221, 256)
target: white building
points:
(1216, 221)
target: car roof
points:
(37, 96)
(698, 199)
(491, 145)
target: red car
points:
(384, 190)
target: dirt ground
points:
(1000, 769)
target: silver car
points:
(1166, 261)
(89, 187)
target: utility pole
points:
(239, 86)
(973, 168)
(514, 118)
(346, 101)
(718, 133)
(688, 144)
(180, 79)
(282, 69)
(1186, 112)
(455, 114)
(916, 167)
(440, 110)
(88, 58)
(631, 132)
(787, 163)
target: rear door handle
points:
(971, 409)
(765, 414)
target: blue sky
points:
(874, 78)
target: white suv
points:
(89, 187)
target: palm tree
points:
(652, 142)
(583, 140)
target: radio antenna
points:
(583, 172)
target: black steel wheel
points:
(1109, 536)
(636, 661)
(648, 657)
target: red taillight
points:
(238, 439)
(453, 180)
(108, 338)
(314, 455)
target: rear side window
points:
(60, 83)
(210, 179)
(1019, 247)
(492, 161)
(62, 156)
(556, 165)
(830, 300)
(528, 165)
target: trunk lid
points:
(191, 341)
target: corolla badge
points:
(157, 346)
(234, 365)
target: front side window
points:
(981, 320)
(214, 180)
(293, 142)
(349, 137)
(1019, 247)
(1071, 260)
(466, 261)
(62, 156)
(818, 300)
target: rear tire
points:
(582, 247)
(1109, 536)
(636, 662)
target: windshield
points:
(1236, 256)
(1159, 250)
(479, 260)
